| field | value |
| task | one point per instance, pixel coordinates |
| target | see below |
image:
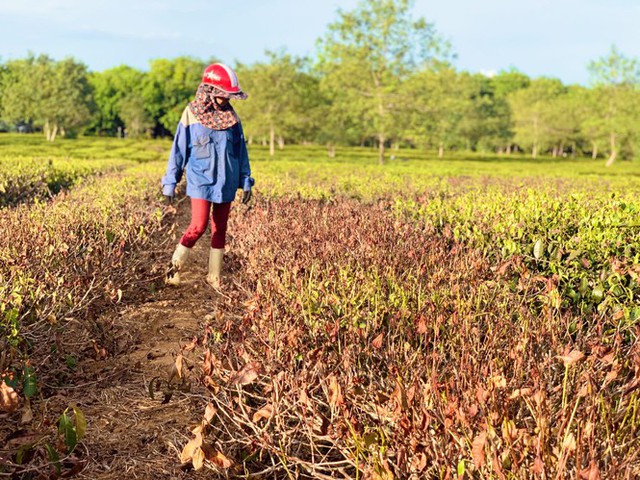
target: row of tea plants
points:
(400, 322)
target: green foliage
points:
(72, 431)
(615, 103)
(168, 87)
(533, 114)
(282, 99)
(33, 169)
(50, 94)
(380, 78)
(365, 56)
(440, 104)
(116, 92)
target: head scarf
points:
(208, 112)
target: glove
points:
(246, 196)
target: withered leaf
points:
(477, 449)
(419, 462)
(335, 392)
(198, 458)
(191, 345)
(499, 381)
(209, 412)
(189, 449)
(247, 374)
(265, 412)
(219, 459)
(572, 358)
(422, 326)
(520, 392)
(207, 363)
(569, 442)
(377, 342)
(27, 414)
(538, 466)
(179, 364)
(303, 399)
(591, 473)
(9, 400)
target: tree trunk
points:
(614, 150)
(54, 131)
(441, 150)
(381, 149)
(45, 129)
(281, 143)
(594, 151)
(509, 149)
(272, 141)
(331, 151)
(554, 153)
(534, 151)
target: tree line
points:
(380, 78)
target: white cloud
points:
(488, 73)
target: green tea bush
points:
(587, 242)
(24, 179)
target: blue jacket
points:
(216, 161)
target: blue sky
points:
(539, 37)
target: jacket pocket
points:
(201, 147)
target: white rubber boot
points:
(215, 267)
(178, 260)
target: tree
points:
(615, 79)
(132, 110)
(283, 98)
(367, 54)
(169, 86)
(112, 89)
(53, 95)
(439, 99)
(503, 84)
(532, 113)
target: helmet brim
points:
(218, 92)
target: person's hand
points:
(246, 196)
(168, 205)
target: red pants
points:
(200, 212)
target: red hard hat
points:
(221, 77)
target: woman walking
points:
(209, 145)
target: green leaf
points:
(71, 361)
(65, 427)
(29, 387)
(22, 451)
(460, 468)
(538, 249)
(54, 457)
(598, 292)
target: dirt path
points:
(129, 434)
